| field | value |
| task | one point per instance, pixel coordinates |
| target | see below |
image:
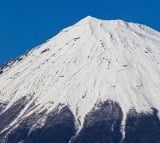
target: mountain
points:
(97, 81)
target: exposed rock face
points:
(101, 125)
(59, 127)
(142, 128)
(11, 113)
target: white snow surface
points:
(89, 62)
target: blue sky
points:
(25, 24)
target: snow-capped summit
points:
(85, 65)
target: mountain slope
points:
(88, 67)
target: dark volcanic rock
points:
(9, 115)
(59, 128)
(142, 128)
(22, 131)
(101, 125)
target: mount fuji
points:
(97, 81)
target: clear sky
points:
(25, 24)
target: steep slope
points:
(105, 72)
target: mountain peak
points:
(89, 18)
(94, 19)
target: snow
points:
(89, 62)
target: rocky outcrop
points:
(101, 125)
(142, 127)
